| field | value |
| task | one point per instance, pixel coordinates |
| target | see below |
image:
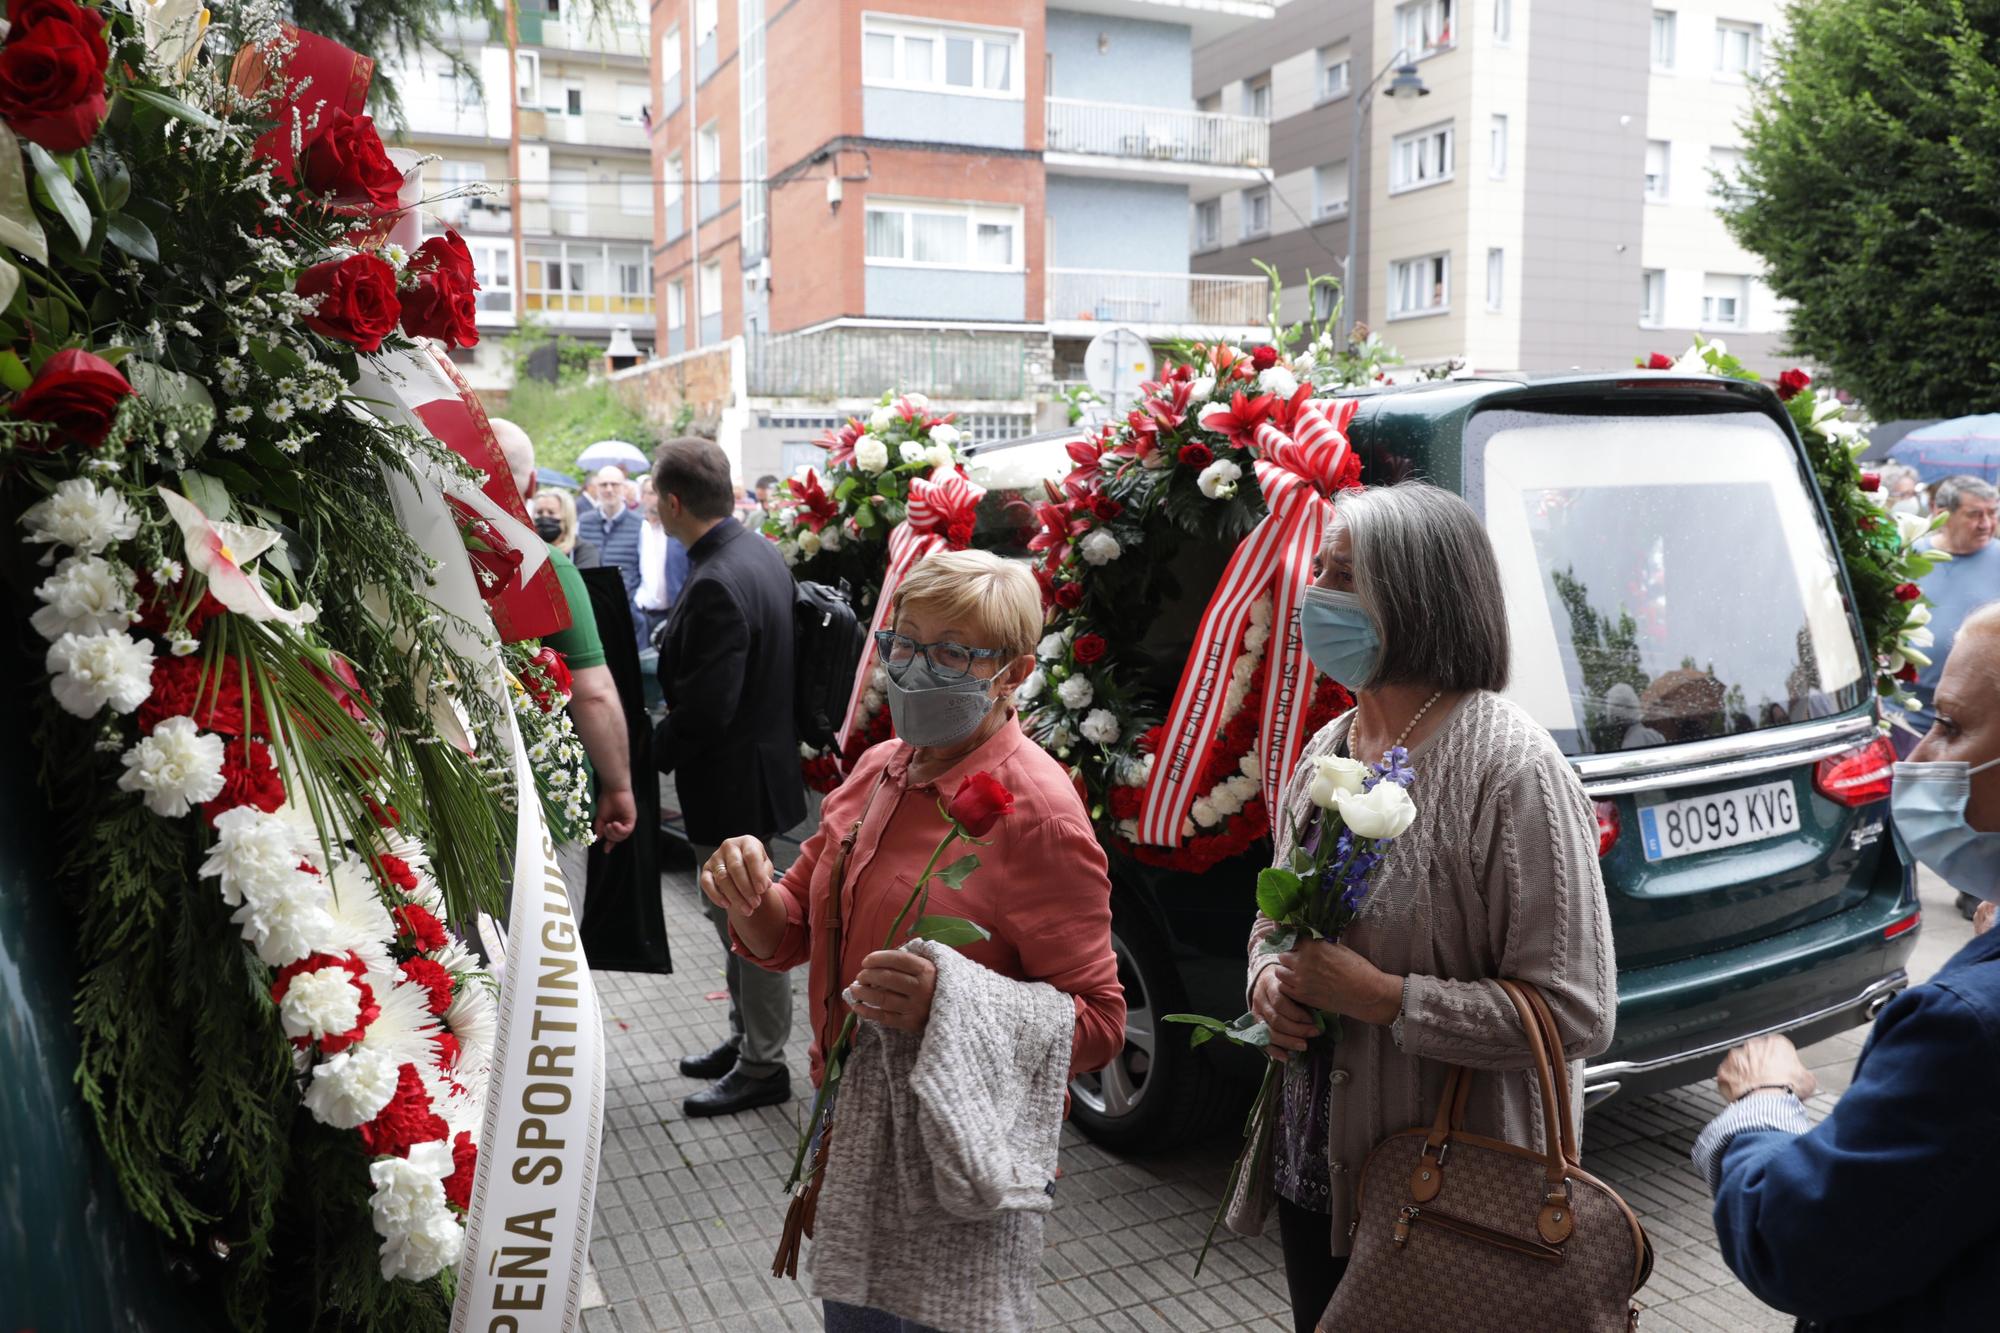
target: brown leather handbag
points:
(1453, 1230)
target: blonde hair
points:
(997, 598)
(566, 511)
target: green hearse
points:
(1682, 626)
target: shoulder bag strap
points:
(1555, 1221)
(1552, 1038)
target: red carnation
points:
(1069, 596)
(182, 688)
(397, 871)
(417, 929)
(1791, 382)
(441, 303)
(433, 978)
(465, 1165)
(406, 1121)
(958, 535)
(248, 778)
(343, 159)
(1090, 648)
(385, 815)
(1659, 361)
(1196, 455)
(446, 1044)
(357, 300)
(1264, 357)
(978, 804)
(75, 391)
(333, 1043)
(1908, 592)
(1126, 802)
(52, 73)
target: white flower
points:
(1218, 480)
(881, 419)
(1031, 688)
(252, 849)
(1051, 647)
(1256, 638)
(1383, 811)
(809, 543)
(1278, 380)
(321, 1003)
(395, 255)
(1920, 614)
(183, 646)
(1242, 787)
(1210, 415)
(912, 451)
(423, 1252)
(1128, 829)
(1201, 388)
(1076, 693)
(471, 1019)
(1224, 800)
(1333, 774)
(361, 923)
(1260, 612)
(1100, 727)
(92, 670)
(168, 571)
(86, 595)
(1920, 637)
(1910, 527)
(829, 538)
(871, 700)
(1061, 737)
(231, 442)
(871, 454)
(172, 30)
(1099, 547)
(237, 413)
(945, 435)
(878, 680)
(1205, 814)
(790, 551)
(351, 1088)
(80, 515)
(409, 1189)
(280, 410)
(1249, 765)
(917, 401)
(405, 1028)
(175, 769)
(939, 456)
(285, 919)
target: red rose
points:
(1264, 357)
(52, 73)
(406, 1121)
(1106, 508)
(248, 778)
(358, 302)
(75, 391)
(417, 929)
(1791, 382)
(1196, 455)
(1658, 361)
(1908, 592)
(343, 159)
(1126, 802)
(1871, 481)
(978, 804)
(464, 1166)
(441, 305)
(433, 978)
(1069, 596)
(1090, 648)
(180, 689)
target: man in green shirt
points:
(594, 708)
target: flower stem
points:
(1256, 1133)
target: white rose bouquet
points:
(1358, 810)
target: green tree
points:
(1872, 191)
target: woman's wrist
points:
(1386, 1005)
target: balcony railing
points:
(1196, 300)
(859, 363)
(1157, 134)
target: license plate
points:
(1726, 819)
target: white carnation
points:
(92, 670)
(1205, 815)
(82, 516)
(1260, 613)
(286, 919)
(1099, 547)
(1278, 380)
(1128, 829)
(871, 700)
(175, 769)
(409, 1189)
(351, 1088)
(912, 451)
(829, 538)
(871, 454)
(1218, 480)
(881, 418)
(1101, 727)
(320, 1003)
(1249, 765)
(808, 543)
(252, 848)
(790, 552)
(1051, 647)
(1076, 693)
(1031, 688)
(86, 595)
(1243, 787)
(1256, 637)
(878, 679)
(1201, 388)
(1225, 801)
(946, 435)
(1061, 738)
(939, 456)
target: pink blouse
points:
(1041, 888)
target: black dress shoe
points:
(738, 1091)
(712, 1065)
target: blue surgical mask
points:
(1927, 808)
(1339, 637)
(932, 713)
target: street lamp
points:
(1407, 83)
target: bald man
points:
(594, 707)
(612, 522)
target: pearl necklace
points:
(1405, 733)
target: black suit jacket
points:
(726, 673)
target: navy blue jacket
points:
(1887, 1214)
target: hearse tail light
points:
(1857, 777)
(1607, 827)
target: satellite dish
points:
(1115, 363)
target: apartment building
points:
(1552, 201)
(950, 195)
(564, 238)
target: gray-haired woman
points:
(1497, 877)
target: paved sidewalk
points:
(688, 1211)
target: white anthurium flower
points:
(1334, 774)
(1826, 408)
(172, 30)
(175, 769)
(1893, 662)
(1218, 480)
(1384, 811)
(871, 454)
(219, 552)
(1099, 547)
(1919, 637)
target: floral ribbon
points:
(1299, 472)
(938, 517)
(317, 71)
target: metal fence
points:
(1159, 134)
(852, 363)
(1197, 300)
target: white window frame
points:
(673, 185)
(1322, 206)
(703, 308)
(1496, 278)
(1666, 53)
(708, 144)
(1334, 67)
(1497, 146)
(1652, 298)
(528, 79)
(1400, 182)
(707, 19)
(1426, 28)
(1208, 225)
(1730, 169)
(677, 303)
(1659, 186)
(569, 189)
(1436, 273)
(900, 28)
(1503, 21)
(1251, 231)
(975, 215)
(670, 54)
(1710, 302)
(624, 89)
(1753, 35)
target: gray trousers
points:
(760, 1002)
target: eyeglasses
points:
(948, 661)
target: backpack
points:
(827, 639)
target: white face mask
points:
(1927, 810)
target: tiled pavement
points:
(688, 1211)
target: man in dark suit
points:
(729, 739)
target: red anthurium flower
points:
(1791, 382)
(78, 393)
(978, 804)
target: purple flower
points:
(1351, 899)
(1395, 767)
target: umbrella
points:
(548, 476)
(1962, 446)
(613, 453)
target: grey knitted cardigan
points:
(943, 1156)
(1498, 877)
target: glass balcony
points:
(1157, 135)
(1193, 301)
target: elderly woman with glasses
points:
(960, 642)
